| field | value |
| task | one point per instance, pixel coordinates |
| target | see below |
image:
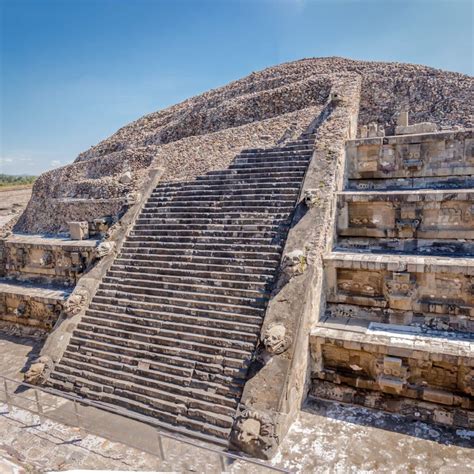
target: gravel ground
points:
(12, 202)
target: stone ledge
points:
(46, 241)
(43, 293)
(391, 339)
(392, 139)
(396, 262)
(409, 195)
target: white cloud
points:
(5, 160)
(55, 163)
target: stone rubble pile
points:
(190, 138)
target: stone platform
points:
(37, 275)
(397, 329)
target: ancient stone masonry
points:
(212, 219)
(397, 332)
(37, 275)
(172, 328)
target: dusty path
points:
(12, 202)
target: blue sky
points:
(74, 71)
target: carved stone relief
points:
(254, 433)
(363, 283)
(275, 339)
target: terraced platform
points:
(399, 319)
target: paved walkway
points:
(334, 438)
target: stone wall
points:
(51, 260)
(438, 158)
(407, 371)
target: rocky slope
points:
(205, 132)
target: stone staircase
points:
(398, 330)
(172, 329)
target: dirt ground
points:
(12, 202)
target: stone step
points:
(149, 287)
(147, 280)
(31, 304)
(173, 227)
(274, 159)
(146, 231)
(228, 349)
(216, 191)
(184, 247)
(197, 293)
(242, 204)
(219, 265)
(247, 307)
(136, 401)
(213, 364)
(288, 164)
(221, 197)
(206, 239)
(223, 208)
(164, 363)
(167, 397)
(150, 272)
(149, 378)
(192, 187)
(285, 180)
(286, 153)
(202, 222)
(217, 215)
(172, 328)
(182, 367)
(226, 260)
(281, 149)
(218, 312)
(198, 253)
(287, 171)
(137, 372)
(163, 273)
(421, 214)
(252, 176)
(170, 320)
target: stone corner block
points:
(79, 230)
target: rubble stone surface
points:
(205, 132)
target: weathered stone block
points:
(79, 230)
(422, 127)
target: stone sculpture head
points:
(275, 339)
(76, 302)
(254, 433)
(249, 431)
